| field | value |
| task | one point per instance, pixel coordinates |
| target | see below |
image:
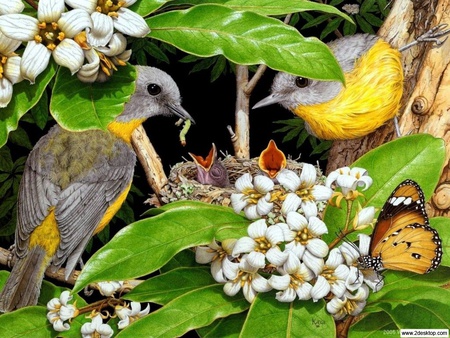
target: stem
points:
(242, 128)
(32, 3)
(100, 304)
(346, 231)
(349, 210)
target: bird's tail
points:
(24, 283)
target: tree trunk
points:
(426, 99)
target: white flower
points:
(102, 61)
(96, 328)
(303, 239)
(352, 257)
(107, 15)
(304, 191)
(348, 304)
(254, 197)
(293, 281)
(127, 315)
(364, 218)
(9, 68)
(332, 277)
(261, 245)
(348, 179)
(108, 288)
(51, 33)
(246, 277)
(11, 7)
(60, 310)
(217, 255)
(351, 8)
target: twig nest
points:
(182, 183)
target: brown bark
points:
(426, 99)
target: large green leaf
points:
(76, 105)
(146, 245)
(414, 308)
(37, 325)
(26, 322)
(229, 327)
(165, 287)
(245, 38)
(25, 96)
(402, 279)
(374, 325)
(442, 226)
(268, 317)
(419, 157)
(192, 310)
(268, 7)
(145, 7)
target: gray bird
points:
(210, 170)
(74, 183)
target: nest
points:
(182, 183)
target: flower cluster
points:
(61, 311)
(86, 36)
(284, 250)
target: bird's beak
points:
(207, 162)
(271, 99)
(179, 111)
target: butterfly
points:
(402, 238)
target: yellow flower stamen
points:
(263, 244)
(109, 7)
(303, 236)
(49, 35)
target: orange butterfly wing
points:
(402, 238)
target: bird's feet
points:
(433, 35)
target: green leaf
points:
(153, 50)
(12, 323)
(145, 7)
(40, 111)
(229, 327)
(373, 20)
(170, 285)
(218, 69)
(404, 279)
(377, 324)
(442, 226)
(185, 258)
(315, 22)
(366, 6)
(20, 137)
(364, 25)
(430, 307)
(279, 7)
(268, 317)
(97, 104)
(349, 29)
(245, 38)
(25, 96)
(6, 162)
(418, 157)
(330, 28)
(192, 310)
(146, 245)
(26, 322)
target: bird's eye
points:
(153, 89)
(301, 82)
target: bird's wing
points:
(36, 195)
(79, 181)
(83, 204)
